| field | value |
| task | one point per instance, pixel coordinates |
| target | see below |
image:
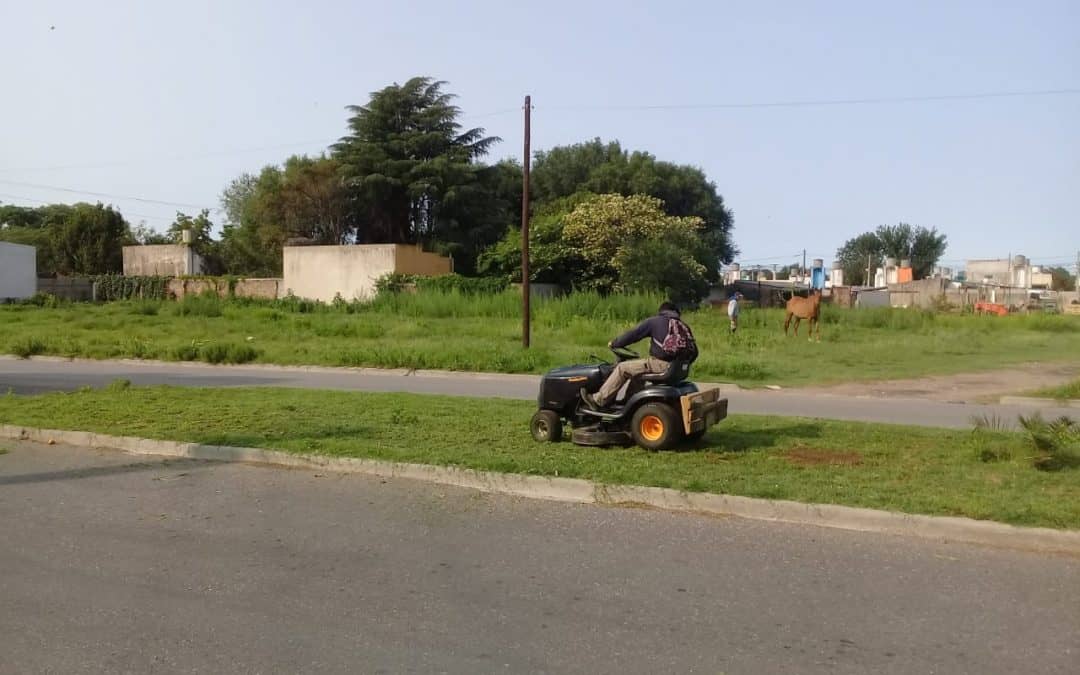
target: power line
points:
(106, 195)
(175, 158)
(822, 102)
(167, 219)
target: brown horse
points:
(805, 308)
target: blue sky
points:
(169, 101)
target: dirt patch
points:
(962, 387)
(804, 456)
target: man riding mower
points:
(659, 406)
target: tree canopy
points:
(922, 246)
(70, 239)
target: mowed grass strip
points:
(448, 330)
(909, 469)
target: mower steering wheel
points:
(624, 354)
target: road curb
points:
(1039, 402)
(576, 490)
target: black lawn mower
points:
(656, 412)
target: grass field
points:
(451, 331)
(908, 469)
(1067, 391)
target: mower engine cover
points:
(560, 388)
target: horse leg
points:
(810, 330)
(787, 322)
(798, 320)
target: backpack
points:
(679, 343)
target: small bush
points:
(241, 354)
(28, 347)
(186, 352)
(46, 300)
(214, 353)
(1056, 443)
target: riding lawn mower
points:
(657, 411)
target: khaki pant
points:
(626, 370)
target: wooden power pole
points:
(525, 292)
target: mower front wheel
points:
(546, 426)
(656, 426)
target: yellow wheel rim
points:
(652, 427)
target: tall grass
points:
(448, 329)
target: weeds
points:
(27, 347)
(988, 438)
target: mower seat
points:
(677, 371)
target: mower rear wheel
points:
(546, 426)
(656, 426)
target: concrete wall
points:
(79, 289)
(18, 271)
(540, 290)
(923, 293)
(872, 299)
(165, 260)
(321, 272)
(266, 289)
(414, 260)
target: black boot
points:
(589, 400)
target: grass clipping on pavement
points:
(984, 475)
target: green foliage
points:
(112, 287)
(922, 246)
(989, 439)
(28, 346)
(1061, 279)
(443, 283)
(82, 239)
(605, 168)
(1057, 443)
(407, 162)
(89, 241)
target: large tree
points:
(306, 199)
(606, 168)
(922, 246)
(90, 240)
(409, 165)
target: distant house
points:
(18, 271)
(1014, 272)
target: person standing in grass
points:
(733, 311)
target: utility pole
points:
(1077, 277)
(804, 267)
(525, 292)
(869, 262)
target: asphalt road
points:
(117, 563)
(37, 376)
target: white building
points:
(18, 271)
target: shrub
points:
(1056, 443)
(28, 347)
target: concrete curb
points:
(1038, 402)
(576, 490)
